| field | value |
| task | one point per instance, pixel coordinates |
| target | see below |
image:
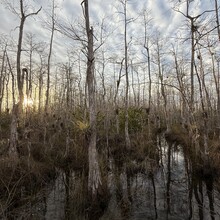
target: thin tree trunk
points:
(133, 84)
(2, 78)
(149, 75)
(49, 59)
(115, 98)
(183, 100)
(204, 115)
(29, 88)
(7, 92)
(146, 46)
(12, 79)
(127, 137)
(216, 76)
(12, 152)
(192, 65)
(208, 101)
(217, 18)
(40, 84)
(19, 77)
(160, 71)
(139, 89)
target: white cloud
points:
(167, 21)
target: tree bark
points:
(146, 47)
(12, 152)
(127, 137)
(192, 64)
(20, 82)
(49, 59)
(115, 98)
(2, 78)
(20, 78)
(40, 84)
(217, 18)
(94, 180)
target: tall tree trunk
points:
(29, 88)
(19, 76)
(216, 76)
(192, 64)
(49, 58)
(40, 85)
(162, 86)
(94, 180)
(115, 97)
(139, 89)
(181, 85)
(146, 47)
(149, 75)
(20, 82)
(217, 18)
(127, 137)
(2, 78)
(12, 80)
(12, 152)
(133, 84)
(204, 114)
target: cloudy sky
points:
(164, 20)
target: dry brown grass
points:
(214, 154)
(20, 180)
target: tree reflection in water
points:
(173, 189)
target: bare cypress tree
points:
(40, 82)
(32, 47)
(20, 80)
(182, 88)
(20, 77)
(217, 18)
(193, 30)
(146, 47)
(115, 97)
(216, 76)
(126, 21)
(2, 77)
(12, 81)
(162, 85)
(94, 180)
(49, 56)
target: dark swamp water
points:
(173, 190)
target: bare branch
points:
(202, 35)
(34, 13)
(195, 17)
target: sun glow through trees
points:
(28, 102)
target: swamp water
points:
(171, 190)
